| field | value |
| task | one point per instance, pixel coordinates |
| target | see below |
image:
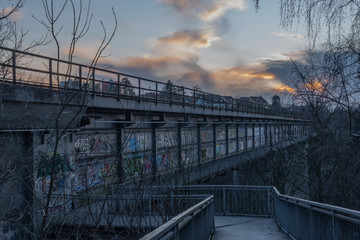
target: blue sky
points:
(224, 46)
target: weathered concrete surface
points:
(247, 228)
(27, 107)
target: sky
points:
(224, 46)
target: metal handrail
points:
(195, 98)
(176, 224)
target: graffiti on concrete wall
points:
(189, 155)
(137, 141)
(57, 169)
(165, 160)
(250, 137)
(95, 144)
(166, 138)
(207, 152)
(262, 134)
(98, 173)
(188, 136)
(220, 149)
(206, 135)
(242, 138)
(220, 133)
(232, 132)
(232, 146)
(257, 136)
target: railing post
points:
(50, 73)
(171, 87)
(224, 201)
(139, 84)
(194, 94)
(14, 66)
(203, 100)
(312, 227)
(80, 78)
(268, 201)
(183, 95)
(156, 92)
(93, 81)
(333, 224)
(118, 87)
(212, 101)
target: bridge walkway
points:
(247, 228)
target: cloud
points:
(220, 7)
(206, 10)
(186, 43)
(290, 36)
(183, 6)
(15, 16)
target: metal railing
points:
(303, 219)
(18, 67)
(299, 218)
(196, 222)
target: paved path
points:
(247, 228)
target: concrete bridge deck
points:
(247, 228)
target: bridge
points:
(79, 128)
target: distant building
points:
(276, 101)
(255, 99)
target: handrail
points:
(177, 220)
(179, 95)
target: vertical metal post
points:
(93, 81)
(245, 143)
(312, 227)
(139, 92)
(180, 145)
(203, 95)
(214, 140)
(237, 138)
(224, 200)
(14, 66)
(80, 78)
(227, 138)
(333, 224)
(118, 87)
(199, 144)
(154, 149)
(183, 96)
(194, 94)
(268, 201)
(50, 72)
(156, 92)
(171, 92)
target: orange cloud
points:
(195, 39)
(315, 85)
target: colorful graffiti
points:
(132, 166)
(96, 144)
(189, 155)
(206, 135)
(165, 160)
(207, 152)
(59, 170)
(220, 149)
(232, 146)
(137, 141)
(166, 138)
(220, 133)
(232, 132)
(188, 136)
(242, 144)
(95, 174)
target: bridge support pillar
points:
(16, 186)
